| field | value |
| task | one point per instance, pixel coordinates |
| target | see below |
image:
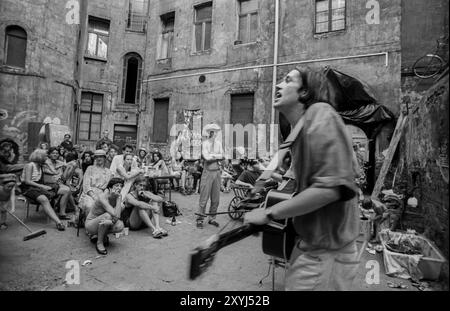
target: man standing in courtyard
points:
(212, 153)
(324, 209)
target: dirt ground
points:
(139, 262)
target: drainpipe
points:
(274, 80)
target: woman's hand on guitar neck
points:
(257, 216)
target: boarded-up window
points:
(330, 15)
(242, 113)
(137, 15)
(248, 21)
(131, 80)
(90, 116)
(98, 38)
(202, 26)
(166, 41)
(161, 121)
(16, 46)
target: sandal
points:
(163, 232)
(60, 226)
(157, 234)
(101, 251)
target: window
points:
(161, 121)
(242, 113)
(131, 80)
(16, 46)
(248, 21)
(202, 27)
(90, 116)
(166, 40)
(330, 15)
(98, 38)
(137, 15)
(125, 135)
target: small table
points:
(164, 177)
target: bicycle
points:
(431, 65)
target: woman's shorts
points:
(33, 193)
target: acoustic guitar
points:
(278, 238)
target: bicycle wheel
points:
(233, 209)
(428, 66)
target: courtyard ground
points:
(139, 262)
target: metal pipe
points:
(270, 65)
(274, 78)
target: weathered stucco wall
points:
(45, 88)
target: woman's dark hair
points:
(127, 146)
(51, 149)
(87, 152)
(115, 181)
(71, 156)
(138, 180)
(158, 154)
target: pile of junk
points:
(406, 254)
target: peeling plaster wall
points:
(46, 87)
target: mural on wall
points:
(15, 127)
(189, 141)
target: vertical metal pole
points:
(274, 77)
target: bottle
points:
(174, 221)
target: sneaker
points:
(213, 222)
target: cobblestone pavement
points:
(139, 262)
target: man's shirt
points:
(211, 149)
(322, 158)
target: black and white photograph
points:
(245, 147)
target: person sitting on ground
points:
(104, 217)
(53, 170)
(177, 169)
(112, 152)
(34, 189)
(127, 173)
(142, 209)
(87, 160)
(249, 175)
(73, 174)
(95, 181)
(8, 184)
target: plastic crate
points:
(430, 264)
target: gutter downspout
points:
(273, 132)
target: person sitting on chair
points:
(53, 170)
(249, 175)
(142, 209)
(34, 189)
(177, 169)
(104, 217)
(7, 196)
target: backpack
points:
(170, 209)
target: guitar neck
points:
(237, 234)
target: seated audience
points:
(227, 176)
(177, 169)
(9, 157)
(95, 181)
(113, 151)
(142, 158)
(73, 174)
(104, 217)
(249, 176)
(158, 164)
(142, 209)
(34, 189)
(53, 170)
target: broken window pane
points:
(98, 38)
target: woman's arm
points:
(133, 201)
(152, 196)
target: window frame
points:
(203, 23)
(330, 17)
(248, 26)
(126, 59)
(7, 37)
(98, 34)
(164, 18)
(143, 16)
(91, 112)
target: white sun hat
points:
(210, 127)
